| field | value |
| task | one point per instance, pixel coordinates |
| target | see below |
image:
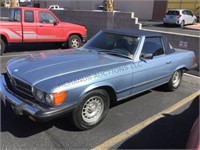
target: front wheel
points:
(175, 80)
(92, 109)
(2, 47)
(74, 41)
(194, 22)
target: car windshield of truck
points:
(15, 15)
(114, 44)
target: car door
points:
(190, 17)
(48, 28)
(153, 69)
(29, 27)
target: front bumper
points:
(28, 108)
(194, 66)
(84, 38)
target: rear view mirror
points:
(55, 23)
(147, 56)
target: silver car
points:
(180, 17)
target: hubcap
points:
(75, 43)
(176, 79)
(93, 109)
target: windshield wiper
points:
(112, 52)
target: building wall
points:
(142, 8)
(192, 5)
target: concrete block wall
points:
(97, 20)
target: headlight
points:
(39, 95)
(49, 99)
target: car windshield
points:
(114, 44)
(173, 12)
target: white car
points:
(55, 7)
(180, 17)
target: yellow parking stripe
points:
(133, 130)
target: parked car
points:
(28, 24)
(193, 140)
(26, 4)
(114, 65)
(55, 7)
(180, 17)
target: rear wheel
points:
(92, 109)
(175, 80)
(182, 24)
(2, 47)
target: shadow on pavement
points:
(31, 47)
(170, 132)
(20, 126)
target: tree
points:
(108, 5)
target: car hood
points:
(46, 65)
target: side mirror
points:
(55, 23)
(147, 56)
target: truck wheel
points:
(175, 80)
(2, 46)
(92, 110)
(74, 41)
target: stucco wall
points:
(95, 21)
(142, 8)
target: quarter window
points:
(153, 46)
(29, 16)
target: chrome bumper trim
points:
(18, 105)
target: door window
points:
(153, 46)
(45, 17)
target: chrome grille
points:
(20, 86)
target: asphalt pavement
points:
(159, 26)
(168, 132)
(171, 131)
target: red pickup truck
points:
(28, 25)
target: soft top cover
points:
(132, 32)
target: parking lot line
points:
(133, 130)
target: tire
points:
(2, 47)
(182, 24)
(175, 80)
(92, 110)
(194, 22)
(166, 24)
(74, 41)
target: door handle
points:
(41, 26)
(168, 62)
